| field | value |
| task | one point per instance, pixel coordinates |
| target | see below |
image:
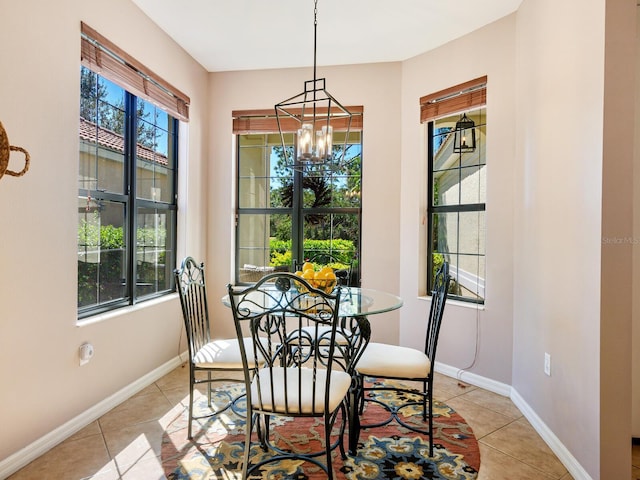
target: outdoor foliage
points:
(342, 251)
(104, 280)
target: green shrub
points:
(343, 252)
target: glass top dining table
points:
(356, 302)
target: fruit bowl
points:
(323, 279)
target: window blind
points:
(264, 121)
(105, 58)
(454, 99)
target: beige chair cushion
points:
(384, 360)
(222, 354)
(340, 383)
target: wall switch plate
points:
(547, 364)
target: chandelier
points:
(313, 115)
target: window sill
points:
(457, 303)
(101, 317)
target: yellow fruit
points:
(326, 270)
(307, 266)
(298, 273)
(330, 275)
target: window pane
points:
(446, 187)
(100, 168)
(110, 93)
(263, 180)
(88, 173)
(88, 95)
(111, 120)
(445, 232)
(472, 185)
(154, 247)
(333, 239)
(264, 242)
(101, 165)
(467, 273)
(155, 159)
(101, 252)
(472, 232)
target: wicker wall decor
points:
(5, 151)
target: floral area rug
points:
(388, 452)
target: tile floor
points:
(124, 444)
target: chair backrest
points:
(193, 298)
(438, 300)
(285, 326)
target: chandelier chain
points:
(315, 38)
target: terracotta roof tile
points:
(114, 141)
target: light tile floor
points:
(124, 444)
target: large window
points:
(457, 197)
(127, 198)
(285, 216)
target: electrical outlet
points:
(86, 353)
(547, 364)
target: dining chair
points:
(386, 361)
(205, 355)
(305, 373)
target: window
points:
(286, 216)
(457, 197)
(127, 199)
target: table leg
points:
(354, 417)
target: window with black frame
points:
(457, 204)
(127, 192)
(456, 121)
(285, 216)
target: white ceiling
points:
(226, 35)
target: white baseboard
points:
(557, 447)
(564, 455)
(474, 379)
(29, 453)
(45, 443)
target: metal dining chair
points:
(205, 355)
(385, 361)
(305, 373)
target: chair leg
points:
(354, 412)
(248, 428)
(430, 400)
(327, 439)
(424, 400)
(360, 400)
(191, 385)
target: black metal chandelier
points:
(313, 115)
(464, 139)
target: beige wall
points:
(375, 86)
(573, 190)
(422, 75)
(43, 385)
